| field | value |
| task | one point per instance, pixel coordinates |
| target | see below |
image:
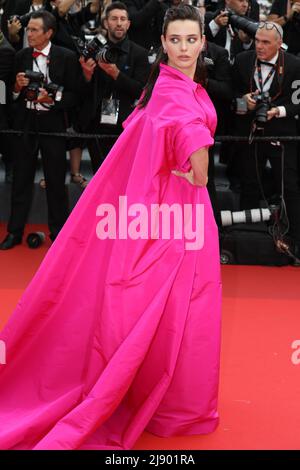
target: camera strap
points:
(46, 75)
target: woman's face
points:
(183, 43)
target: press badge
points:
(109, 111)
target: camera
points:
(263, 105)
(237, 22)
(250, 216)
(98, 49)
(24, 19)
(37, 81)
(54, 91)
(35, 239)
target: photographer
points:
(286, 13)
(18, 21)
(219, 30)
(112, 88)
(39, 108)
(270, 105)
(7, 54)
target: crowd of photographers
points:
(83, 65)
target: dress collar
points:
(174, 72)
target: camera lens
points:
(35, 239)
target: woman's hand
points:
(190, 177)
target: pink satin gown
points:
(116, 336)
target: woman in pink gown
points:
(119, 331)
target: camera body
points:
(98, 49)
(37, 81)
(244, 23)
(263, 105)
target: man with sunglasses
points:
(286, 13)
(269, 69)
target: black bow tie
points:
(263, 62)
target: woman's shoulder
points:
(173, 101)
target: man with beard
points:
(112, 88)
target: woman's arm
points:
(198, 174)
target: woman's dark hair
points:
(182, 12)
(49, 21)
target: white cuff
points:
(282, 111)
(214, 28)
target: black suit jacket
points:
(281, 93)
(134, 71)
(146, 21)
(7, 54)
(219, 84)
(63, 70)
(291, 30)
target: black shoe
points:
(10, 241)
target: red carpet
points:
(260, 385)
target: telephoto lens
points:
(35, 239)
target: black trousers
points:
(211, 187)
(53, 152)
(99, 148)
(250, 191)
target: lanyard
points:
(261, 84)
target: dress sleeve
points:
(187, 139)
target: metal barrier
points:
(221, 138)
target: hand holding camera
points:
(43, 97)
(111, 69)
(14, 25)
(21, 82)
(244, 38)
(222, 19)
(295, 10)
(88, 66)
(250, 100)
(273, 112)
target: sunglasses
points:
(269, 26)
